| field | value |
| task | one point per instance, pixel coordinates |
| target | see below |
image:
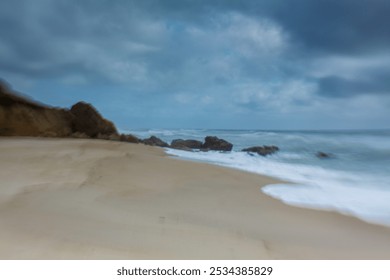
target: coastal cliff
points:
(20, 116)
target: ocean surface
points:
(354, 181)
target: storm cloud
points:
(234, 64)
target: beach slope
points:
(95, 199)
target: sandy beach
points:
(96, 199)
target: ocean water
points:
(355, 181)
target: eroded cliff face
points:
(22, 117)
(86, 119)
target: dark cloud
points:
(332, 25)
(34, 31)
(325, 25)
(333, 86)
(223, 55)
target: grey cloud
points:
(61, 36)
(335, 26)
(324, 25)
(38, 29)
(376, 83)
(222, 54)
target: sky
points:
(248, 64)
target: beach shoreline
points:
(96, 199)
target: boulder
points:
(186, 145)
(216, 144)
(88, 120)
(129, 138)
(154, 141)
(262, 150)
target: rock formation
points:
(216, 144)
(186, 145)
(20, 116)
(154, 141)
(86, 119)
(262, 150)
(129, 138)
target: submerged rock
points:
(323, 155)
(186, 145)
(216, 144)
(262, 150)
(155, 141)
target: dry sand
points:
(91, 199)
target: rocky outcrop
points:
(20, 116)
(216, 144)
(88, 120)
(129, 138)
(154, 141)
(262, 150)
(186, 145)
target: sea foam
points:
(362, 195)
(355, 181)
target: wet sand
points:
(95, 199)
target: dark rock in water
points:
(262, 150)
(186, 145)
(216, 144)
(129, 138)
(88, 120)
(154, 141)
(183, 148)
(323, 155)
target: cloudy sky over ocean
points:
(268, 64)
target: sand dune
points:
(92, 199)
